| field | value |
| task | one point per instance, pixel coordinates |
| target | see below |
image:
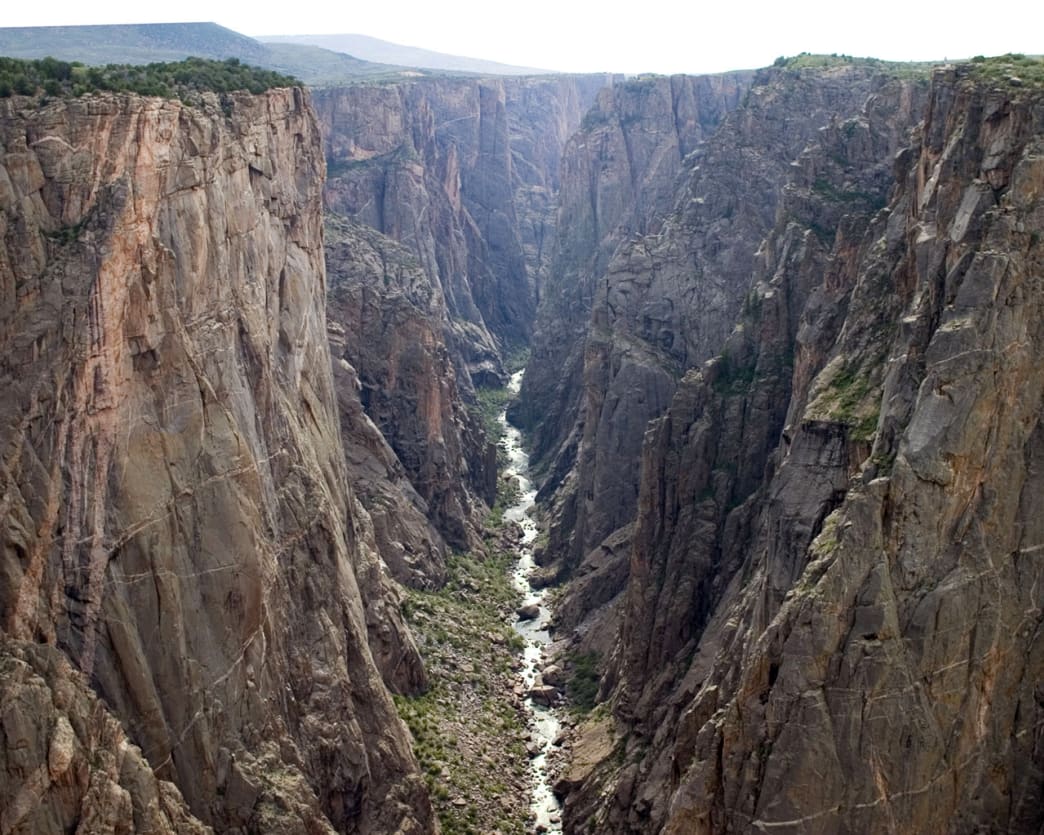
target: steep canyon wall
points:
(464, 173)
(656, 291)
(177, 524)
(784, 400)
(441, 200)
(832, 618)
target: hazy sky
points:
(638, 36)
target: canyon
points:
(782, 338)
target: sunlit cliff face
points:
(174, 486)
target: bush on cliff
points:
(179, 79)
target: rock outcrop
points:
(441, 201)
(668, 300)
(620, 177)
(833, 613)
(175, 515)
(784, 397)
(66, 764)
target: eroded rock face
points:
(463, 173)
(802, 281)
(441, 198)
(618, 179)
(834, 606)
(67, 765)
(592, 385)
(663, 298)
(411, 443)
(668, 301)
(441, 202)
(175, 512)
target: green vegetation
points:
(404, 154)
(854, 391)
(821, 552)
(752, 304)
(808, 60)
(884, 461)
(1011, 70)
(640, 83)
(508, 492)
(826, 234)
(468, 735)
(68, 234)
(489, 403)
(850, 397)
(827, 541)
(583, 682)
(827, 189)
(516, 357)
(186, 79)
(339, 167)
(595, 118)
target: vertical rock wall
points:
(175, 513)
(845, 636)
(417, 455)
(676, 183)
(463, 172)
(618, 178)
(441, 200)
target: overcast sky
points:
(637, 36)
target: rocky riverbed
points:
(469, 729)
(540, 680)
(488, 732)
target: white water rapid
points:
(544, 723)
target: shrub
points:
(180, 79)
(582, 685)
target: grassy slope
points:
(468, 732)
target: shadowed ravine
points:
(543, 721)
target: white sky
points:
(664, 36)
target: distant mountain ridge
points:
(149, 42)
(386, 52)
(129, 43)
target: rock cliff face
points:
(618, 177)
(662, 292)
(67, 765)
(174, 510)
(463, 173)
(799, 287)
(456, 180)
(785, 396)
(587, 395)
(832, 620)
(410, 442)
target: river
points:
(543, 721)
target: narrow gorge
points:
(291, 543)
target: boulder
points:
(553, 675)
(543, 694)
